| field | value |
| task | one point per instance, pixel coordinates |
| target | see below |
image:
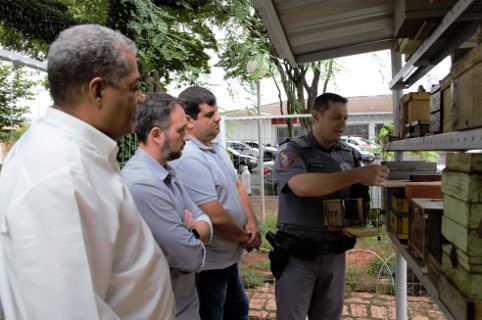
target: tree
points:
(171, 35)
(13, 87)
(246, 38)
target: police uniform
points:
(313, 286)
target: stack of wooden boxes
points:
(425, 211)
(460, 285)
(441, 106)
(466, 75)
(414, 111)
(400, 195)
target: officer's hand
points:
(373, 175)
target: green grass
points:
(251, 278)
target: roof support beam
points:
(270, 18)
(21, 60)
(345, 51)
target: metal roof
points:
(309, 30)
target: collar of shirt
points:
(201, 146)
(155, 166)
(338, 145)
(83, 131)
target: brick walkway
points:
(359, 306)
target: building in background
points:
(366, 118)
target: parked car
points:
(239, 160)
(362, 142)
(270, 183)
(366, 155)
(243, 148)
(269, 152)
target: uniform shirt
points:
(73, 245)
(162, 204)
(304, 215)
(208, 174)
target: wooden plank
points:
(463, 186)
(430, 189)
(361, 231)
(465, 239)
(470, 263)
(464, 162)
(467, 214)
(468, 282)
(446, 88)
(434, 269)
(458, 305)
(466, 74)
(425, 177)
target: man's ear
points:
(189, 122)
(157, 135)
(315, 115)
(96, 89)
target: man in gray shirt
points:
(178, 225)
(210, 179)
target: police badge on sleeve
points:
(285, 160)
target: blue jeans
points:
(222, 295)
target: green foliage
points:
(251, 278)
(10, 94)
(428, 156)
(127, 147)
(39, 20)
(246, 38)
(268, 225)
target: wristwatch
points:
(195, 233)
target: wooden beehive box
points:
(464, 186)
(464, 162)
(343, 212)
(464, 271)
(446, 109)
(419, 225)
(461, 307)
(416, 106)
(398, 211)
(388, 188)
(466, 74)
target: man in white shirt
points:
(72, 242)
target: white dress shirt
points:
(72, 242)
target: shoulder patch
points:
(285, 160)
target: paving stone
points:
(378, 312)
(357, 300)
(358, 310)
(345, 311)
(257, 304)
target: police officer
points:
(309, 170)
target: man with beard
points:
(211, 180)
(178, 225)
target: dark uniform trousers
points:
(311, 281)
(311, 287)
